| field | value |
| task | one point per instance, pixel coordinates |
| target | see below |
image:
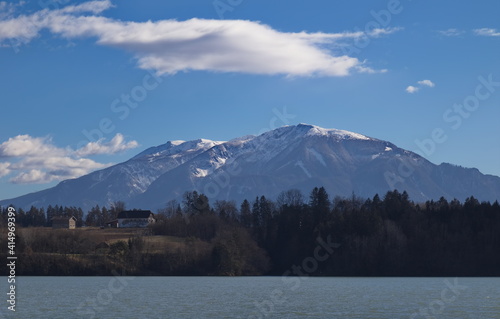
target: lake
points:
(254, 297)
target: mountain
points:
(119, 182)
(301, 157)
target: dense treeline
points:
(38, 217)
(392, 236)
(389, 236)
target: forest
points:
(292, 235)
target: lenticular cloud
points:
(170, 46)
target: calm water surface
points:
(254, 297)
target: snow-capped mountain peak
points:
(177, 147)
(177, 142)
(299, 156)
(313, 130)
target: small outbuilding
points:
(135, 219)
(60, 222)
(112, 224)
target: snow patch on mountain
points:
(177, 142)
(201, 172)
(341, 134)
(178, 147)
(318, 156)
(303, 167)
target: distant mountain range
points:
(291, 157)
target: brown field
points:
(152, 244)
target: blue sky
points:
(88, 84)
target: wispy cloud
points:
(38, 160)
(487, 32)
(320, 37)
(7, 9)
(4, 169)
(424, 83)
(170, 46)
(116, 145)
(428, 83)
(33, 176)
(376, 33)
(452, 32)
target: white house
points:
(135, 218)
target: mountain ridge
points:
(299, 156)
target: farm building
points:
(135, 218)
(112, 223)
(64, 222)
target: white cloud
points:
(33, 176)
(320, 37)
(412, 89)
(424, 83)
(38, 160)
(25, 145)
(170, 46)
(4, 169)
(95, 7)
(452, 32)
(428, 83)
(487, 32)
(116, 145)
(7, 9)
(24, 28)
(50, 168)
(384, 31)
(362, 69)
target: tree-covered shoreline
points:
(388, 236)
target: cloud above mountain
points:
(171, 46)
(116, 145)
(36, 160)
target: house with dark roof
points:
(64, 222)
(135, 218)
